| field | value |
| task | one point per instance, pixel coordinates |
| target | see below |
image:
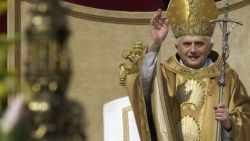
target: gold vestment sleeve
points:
(239, 109)
(135, 93)
(161, 108)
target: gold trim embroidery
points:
(189, 129)
(190, 95)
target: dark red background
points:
(120, 5)
(3, 23)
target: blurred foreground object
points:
(3, 6)
(9, 111)
(7, 77)
(51, 116)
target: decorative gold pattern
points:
(190, 17)
(190, 129)
(205, 82)
(191, 95)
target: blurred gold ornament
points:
(7, 77)
(3, 6)
(1, 90)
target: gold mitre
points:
(190, 17)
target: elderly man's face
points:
(193, 50)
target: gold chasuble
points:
(183, 99)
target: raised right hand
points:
(158, 31)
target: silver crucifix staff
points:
(225, 54)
